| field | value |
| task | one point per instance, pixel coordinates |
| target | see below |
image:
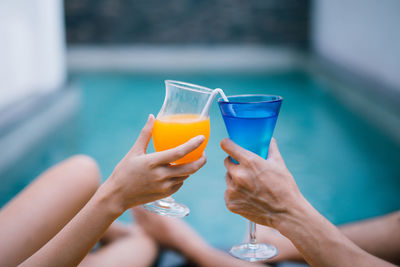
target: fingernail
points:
(199, 138)
(149, 118)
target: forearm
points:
(320, 242)
(76, 239)
(378, 236)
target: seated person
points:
(60, 217)
(371, 235)
(265, 192)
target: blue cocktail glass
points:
(250, 121)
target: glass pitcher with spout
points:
(184, 115)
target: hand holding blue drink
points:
(250, 121)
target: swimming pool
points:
(345, 167)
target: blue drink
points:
(250, 121)
(252, 130)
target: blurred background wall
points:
(362, 35)
(32, 48)
(283, 22)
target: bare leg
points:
(287, 251)
(123, 248)
(176, 234)
(42, 209)
(114, 232)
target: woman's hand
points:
(261, 190)
(140, 178)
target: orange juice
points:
(174, 130)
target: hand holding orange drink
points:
(183, 116)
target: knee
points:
(87, 166)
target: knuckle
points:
(227, 164)
(192, 168)
(203, 161)
(159, 174)
(226, 161)
(230, 193)
(200, 163)
(230, 206)
(245, 161)
(251, 161)
(151, 163)
(227, 177)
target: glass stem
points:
(252, 230)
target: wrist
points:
(108, 197)
(298, 212)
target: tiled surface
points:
(188, 21)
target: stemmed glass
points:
(184, 115)
(250, 121)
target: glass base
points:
(254, 252)
(167, 207)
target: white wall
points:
(32, 48)
(360, 34)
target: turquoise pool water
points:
(343, 165)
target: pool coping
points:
(173, 58)
(31, 120)
(358, 92)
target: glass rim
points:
(279, 98)
(190, 86)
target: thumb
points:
(143, 140)
(273, 151)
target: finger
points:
(226, 197)
(178, 152)
(143, 140)
(273, 151)
(175, 188)
(188, 168)
(235, 151)
(229, 164)
(229, 181)
(228, 202)
(177, 180)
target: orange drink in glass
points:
(184, 115)
(174, 130)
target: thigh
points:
(43, 208)
(135, 249)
